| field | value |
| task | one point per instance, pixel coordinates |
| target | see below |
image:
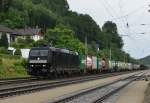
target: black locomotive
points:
(50, 61)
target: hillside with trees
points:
(62, 27)
(145, 60)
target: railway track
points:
(25, 87)
(101, 99)
(17, 80)
(97, 94)
(34, 79)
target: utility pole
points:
(86, 46)
(149, 9)
(128, 56)
(97, 50)
(86, 52)
(124, 57)
(110, 53)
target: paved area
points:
(134, 93)
(44, 96)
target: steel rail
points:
(21, 89)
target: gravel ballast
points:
(92, 96)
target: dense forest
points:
(63, 28)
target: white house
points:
(12, 35)
(33, 33)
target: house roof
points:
(27, 32)
(21, 32)
(5, 29)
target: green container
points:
(99, 63)
(82, 62)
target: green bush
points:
(24, 63)
(4, 50)
(4, 40)
(17, 52)
(20, 71)
(28, 40)
(13, 68)
(2, 72)
(1, 61)
(9, 56)
(20, 41)
(39, 43)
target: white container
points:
(25, 53)
(94, 62)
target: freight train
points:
(51, 61)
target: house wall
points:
(13, 38)
(37, 37)
(8, 37)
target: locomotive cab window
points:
(39, 53)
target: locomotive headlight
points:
(32, 65)
(44, 65)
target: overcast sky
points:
(132, 12)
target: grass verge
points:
(12, 67)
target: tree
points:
(4, 5)
(42, 17)
(83, 25)
(4, 41)
(14, 19)
(60, 7)
(64, 38)
(111, 34)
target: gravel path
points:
(134, 93)
(147, 94)
(94, 95)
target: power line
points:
(122, 18)
(107, 9)
(127, 15)
(130, 13)
(127, 25)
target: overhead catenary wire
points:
(108, 9)
(126, 22)
(142, 10)
(130, 13)
(113, 10)
(124, 19)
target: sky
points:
(129, 15)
